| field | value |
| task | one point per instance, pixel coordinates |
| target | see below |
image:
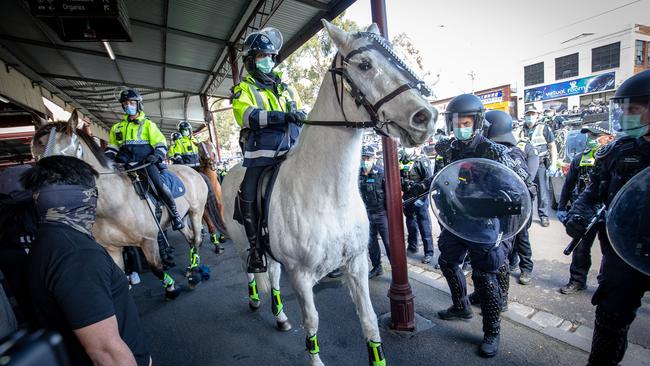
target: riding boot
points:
(610, 338)
(460, 308)
(256, 258)
(166, 196)
(487, 287)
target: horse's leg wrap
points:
(376, 354)
(168, 282)
(195, 259)
(312, 345)
(276, 302)
(253, 295)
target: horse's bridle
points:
(378, 44)
(74, 145)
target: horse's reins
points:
(379, 44)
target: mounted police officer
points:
(577, 179)
(620, 286)
(187, 145)
(415, 172)
(465, 116)
(269, 112)
(542, 138)
(135, 139)
(500, 131)
(174, 153)
(372, 185)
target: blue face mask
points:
(632, 126)
(366, 165)
(130, 110)
(265, 65)
(463, 133)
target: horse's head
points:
(63, 138)
(208, 155)
(394, 95)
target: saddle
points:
(264, 190)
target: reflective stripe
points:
(262, 154)
(263, 119)
(139, 136)
(293, 99)
(247, 115)
(258, 97)
(112, 148)
(136, 142)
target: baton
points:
(590, 229)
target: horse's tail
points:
(263, 282)
(214, 207)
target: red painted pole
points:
(402, 308)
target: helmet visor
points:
(629, 115)
(457, 121)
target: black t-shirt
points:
(75, 283)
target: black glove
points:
(575, 226)
(407, 186)
(296, 117)
(121, 159)
(153, 159)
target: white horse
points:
(123, 219)
(317, 220)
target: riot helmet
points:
(500, 128)
(629, 110)
(265, 41)
(185, 128)
(461, 107)
(130, 95)
(175, 136)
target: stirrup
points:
(253, 266)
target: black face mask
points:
(72, 205)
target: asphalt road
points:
(212, 325)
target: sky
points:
(494, 38)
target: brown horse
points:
(213, 216)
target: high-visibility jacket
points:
(187, 149)
(262, 110)
(137, 139)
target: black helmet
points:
(175, 136)
(368, 151)
(130, 94)
(631, 98)
(499, 127)
(267, 40)
(406, 155)
(465, 105)
(185, 126)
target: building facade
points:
(587, 69)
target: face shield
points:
(630, 116)
(462, 125)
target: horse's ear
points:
(73, 121)
(340, 37)
(373, 28)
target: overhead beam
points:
(102, 54)
(177, 31)
(116, 83)
(314, 4)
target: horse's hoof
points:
(284, 326)
(218, 249)
(173, 294)
(254, 305)
(194, 279)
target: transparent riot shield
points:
(480, 200)
(628, 222)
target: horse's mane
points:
(65, 127)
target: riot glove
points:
(576, 226)
(296, 117)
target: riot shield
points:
(628, 221)
(480, 200)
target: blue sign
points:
(492, 97)
(590, 84)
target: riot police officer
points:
(269, 112)
(525, 155)
(577, 179)
(620, 286)
(465, 117)
(415, 172)
(187, 146)
(372, 187)
(135, 139)
(542, 138)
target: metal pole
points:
(210, 121)
(402, 308)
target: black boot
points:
(610, 338)
(487, 288)
(166, 196)
(177, 222)
(256, 258)
(460, 308)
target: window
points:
(606, 57)
(534, 74)
(566, 66)
(638, 53)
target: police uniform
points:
(577, 179)
(186, 148)
(372, 187)
(620, 287)
(417, 216)
(540, 135)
